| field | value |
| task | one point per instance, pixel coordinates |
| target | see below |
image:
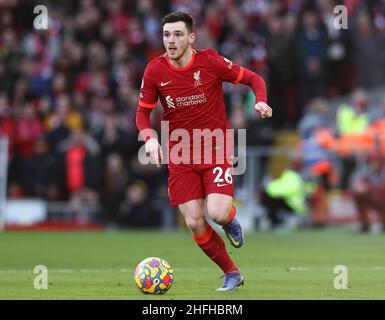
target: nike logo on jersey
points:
(162, 84)
(221, 184)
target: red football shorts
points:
(195, 181)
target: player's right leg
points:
(210, 242)
(194, 215)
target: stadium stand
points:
(68, 94)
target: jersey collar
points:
(184, 68)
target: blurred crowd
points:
(345, 150)
(68, 94)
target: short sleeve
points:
(226, 69)
(148, 90)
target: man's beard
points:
(180, 56)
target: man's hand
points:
(154, 149)
(264, 110)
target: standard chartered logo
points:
(170, 102)
(191, 100)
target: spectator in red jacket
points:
(28, 129)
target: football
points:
(154, 276)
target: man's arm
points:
(257, 84)
(147, 101)
(152, 146)
(143, 123)
(232, 72)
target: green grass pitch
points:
(100, 265)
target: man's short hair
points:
(179, 16)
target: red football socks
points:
(232, 214)
(214, 247)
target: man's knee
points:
(194, 216)
(219, 208)
(220, 214)
(196, 225)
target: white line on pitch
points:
(249, 269)
(15, 271)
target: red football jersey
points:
(192, 96)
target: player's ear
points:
(191, 38)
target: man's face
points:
(176, 39)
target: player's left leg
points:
(221, 210)
(219, 189)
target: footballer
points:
(188, 83)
